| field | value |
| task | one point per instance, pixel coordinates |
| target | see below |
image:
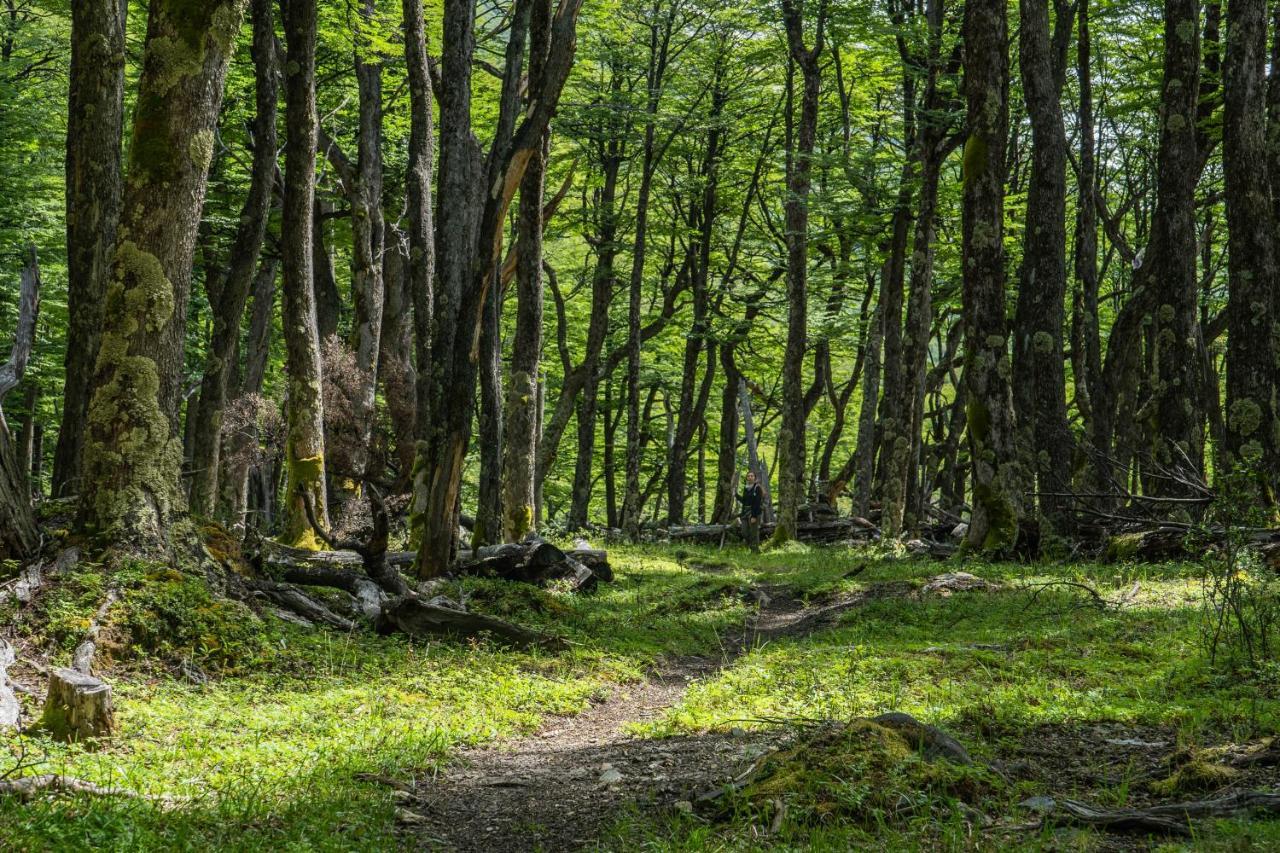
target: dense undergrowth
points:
(282, 748)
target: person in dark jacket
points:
(752, 499)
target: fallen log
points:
(818, 532)
(78, 707)
(536, 561)
(293, 599)
(1171, 819)
(27, 787)
(418, 618)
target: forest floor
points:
(679, 675)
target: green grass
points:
(280, 749)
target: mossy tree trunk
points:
(95, 120)
(1251, 356)
(1039, 375)
(1174, 415)
(801, 138)
(304, 440)
(233, 295)
(488, 526)
(132, 451)
(997, 487)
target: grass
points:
(280, 750)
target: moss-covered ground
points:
(284, 746)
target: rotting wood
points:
(78, 707)
(421, 619)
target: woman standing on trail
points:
(752, 498)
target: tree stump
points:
(78, 707)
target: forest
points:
(667, 425)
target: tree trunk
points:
(233, 294)
(368, 238)
(1251, 356)
(468, 239)
(395, 360)
(1174, 418)
(791, 439)
(1086, 344)
(418, 185)
(659, 44)
(864, 455)
(488, 526)
(95, 119)
(997, 486)
(19, 536)
(1039, 376)
(132, 451)
(304, 441)
(242, 444)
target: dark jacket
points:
(752, 499)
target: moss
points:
(201, 149)
(1244, 416)
(1123, 546)
(519, 521)
(305, 474)
(1043, 343)
(975, 157)
(131, 454)
(1198, 774)
(859, 772)
(1002, 518)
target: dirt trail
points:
(561, 787)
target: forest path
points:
(561, 787)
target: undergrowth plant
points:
(1240, 593)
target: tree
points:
(132, 451)
(997, 487)
(232, 294)
(1175, 415)
(520, 434)
(304, 441)
(1254, 278)
(95, 120)
(480, 187)
(800, 146)
(1040, 393)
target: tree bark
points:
(1086, 344)
(791, 439)
(396, 372)
(1252, 273)
(1174, 415)
(304, 440)
(520, 435)
(1039, 375)
(488, 526)
(233, 294)
(418, 185)
(997, 486)
(95, 119)
(133, 451)
(368, 238)
(479, 190)
(19, 536)
(242, 444)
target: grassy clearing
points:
(279, 750)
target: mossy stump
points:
(78, 707)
